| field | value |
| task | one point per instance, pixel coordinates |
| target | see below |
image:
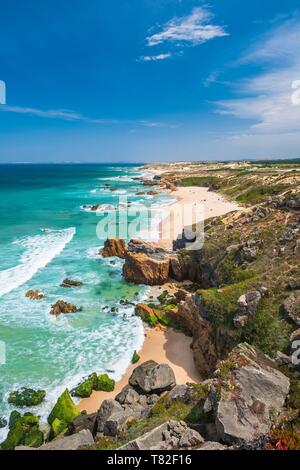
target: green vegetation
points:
(258, 192)
(267, 330)
(225, 368)
(205, 181)
(26, 397)
(162, 297)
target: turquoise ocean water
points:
(43, 351)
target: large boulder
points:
(247, 393)
(114, 247)
(77, 441)
(63, 307)
(106, 410)
(117, 422)
(167, 436)
(128, 396)
(146, 264)
(291, 308)
(63, 413)
(151, 377)
(82, 422)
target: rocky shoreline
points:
(238, 298)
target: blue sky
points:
(148, 80)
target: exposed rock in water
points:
(93, 208)
(291, 308)
(77, 441)
(152, 193)
(63, 307)
(246, 394)
(114, 247)
(247, 306)
(146, 264)
(35, 295)
(86, 387)
(67, 283)
(23, 430)
(210, 342)
(151, 377)
(167, 436)
(26, 397)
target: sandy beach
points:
(193, 204)
(161, 344)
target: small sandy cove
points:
(165, 345)
(160, 345)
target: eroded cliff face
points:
(210, 343)
(146, 263)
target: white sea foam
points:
(38, 252)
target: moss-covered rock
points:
(14, 417)
(105, 384)
(147, 314)
(34, 438)
(57, 427)
(135, 358)
(86, 387)
(64, 411)
(3, 422)
(26, 397)
(23, 430)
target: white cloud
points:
(68, 115)
(266, 98)
(154, 58)
(195, 28)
